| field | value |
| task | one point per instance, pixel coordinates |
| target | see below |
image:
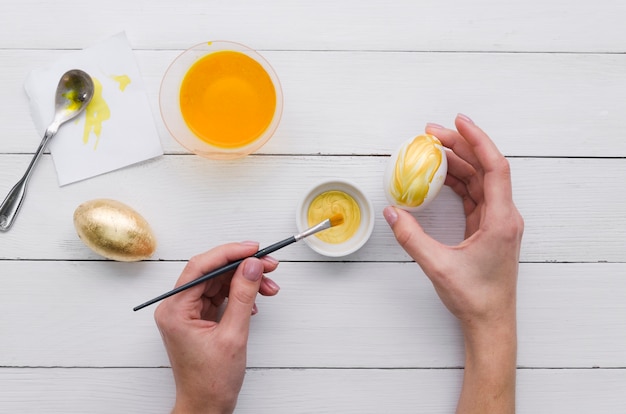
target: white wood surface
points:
(340, 315)
(325, 391)
(364, 334)
(365, 102)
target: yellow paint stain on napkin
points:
(123, 80)
(95, 114)
(98, 110)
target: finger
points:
(211, 307)
(216, 293)
(190, 300)
(462, 171)
(460, 188)
(456, 142)
(269, 264)
(203, 263)
(268, 287)
(243, 290)
(497, 173)
(421, 247)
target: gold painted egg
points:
(114, 230)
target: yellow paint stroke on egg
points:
(415, 169)
(95, 114)
(327, 205)
(123, 81)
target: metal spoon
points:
(73, 94)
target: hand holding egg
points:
(415, 173)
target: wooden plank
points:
(533, 25)
(368, 102)
(573, 207)
(65, 391)
(354, 315)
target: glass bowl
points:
(221, 100)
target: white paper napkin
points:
(121, 130)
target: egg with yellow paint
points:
(114, 230)
(415, 173)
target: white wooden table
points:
(545, 78)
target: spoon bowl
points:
(73, 94)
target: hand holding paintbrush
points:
(333, 221)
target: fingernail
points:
(272, 285)
(391, 215)
(252, 269)
(465, 118)
(432, 125)
(250, 243)
(255, 309)
(271, 260)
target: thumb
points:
(411, 236)
(243, 290)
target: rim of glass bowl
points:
(169, 101)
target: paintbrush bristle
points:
(336, 220)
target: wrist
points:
(186, 406)
(496, 340)
(492, 338)
(490, 365)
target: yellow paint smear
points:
(123, 81)
(327, 205)
(415, 169)
(95, 114)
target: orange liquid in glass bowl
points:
(227, 99)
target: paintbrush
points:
(335, 220)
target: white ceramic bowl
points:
(363, 232)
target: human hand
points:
(208, 353)
(477, 279)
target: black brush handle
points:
(217, 272)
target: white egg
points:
(415, 173)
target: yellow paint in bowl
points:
(227, 99)
(327, 205)
(327, 199)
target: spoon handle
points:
(13, 201)
(11, 205)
